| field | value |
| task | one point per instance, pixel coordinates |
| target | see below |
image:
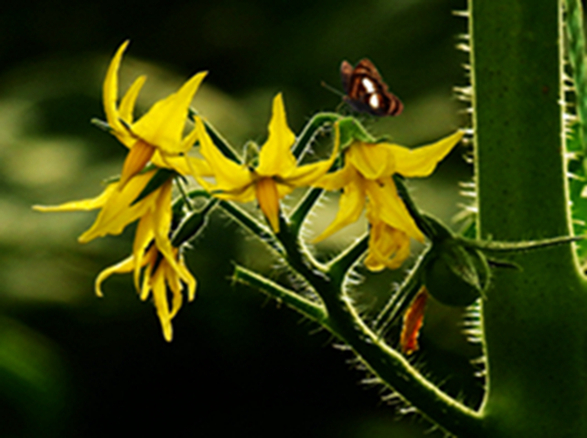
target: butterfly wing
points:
(366, 90)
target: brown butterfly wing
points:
(366, 90)
(346, 72)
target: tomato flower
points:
(276, 175)
(157, 135)
(367, 176)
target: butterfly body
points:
(366, 91)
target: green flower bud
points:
(456, 276)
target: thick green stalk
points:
(534, 318)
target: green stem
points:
(401, 299)
(252, 225)
(339, 267)
(311, 130)
(576, 39)
(301, 211)
(533, 319)
(290, 298)
(395, 371)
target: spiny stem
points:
(403, 296)
(312, 128)
(576, 39)
(290, 298)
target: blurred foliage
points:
(73, 365)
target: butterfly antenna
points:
(331, 88)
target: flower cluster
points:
(158, 154)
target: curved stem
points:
(290, 298)
(311, 130)
(396, 372)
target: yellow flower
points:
(157, 135)
(367, 176)
(152, 248)
(160, 275)
(116, 206)
(276, 175)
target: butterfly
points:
(366, 91)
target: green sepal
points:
(160, 178)
(101, 124)
(220, 142)
(432, 228)
(192, 224)
(351, 130)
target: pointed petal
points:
(162, 224)
(275, 157)
(350, 207)
(387, 206)
(174, 285)
(337, 180)
(143, 237)
(110, 90)
(184, 165)
(422, 161)
(164, 123)
(150, 261)
(82, 205)
(268, 198)
(123, 267)
(191, 281)
(309, 173)
(372, 160)
(229, 175)
(159, 291)
(117, 212)
(388, 247)
(136, 160)
(127, 104)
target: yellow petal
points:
(422, 161)
(152, 258)
(162, 126)
(123, 267)
(230, 176)
(268, 199)
(309, 173)
(143, 237)
(350, 207)
(159, 290)
(135, 161)
(83, 205)
(388, 247)
(127, 104)
(174, 286)
(275, 157)
(372, 160)
(110, 91)
(183, 164)
(117, 212)
(191, 283)
(337, 180)
(387, 206)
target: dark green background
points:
(72, 365)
